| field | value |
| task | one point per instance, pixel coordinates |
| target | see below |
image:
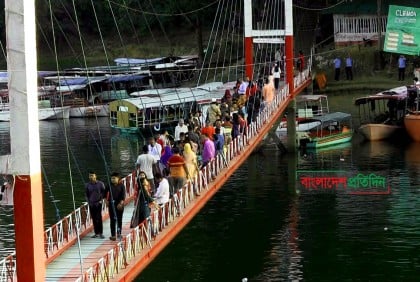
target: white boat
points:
(301, 126)
(45, 112)
(381, 115)
(89, 96)
(89, 111)
(308, 107)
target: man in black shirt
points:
(116, 198)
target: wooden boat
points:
(308, 107)
(155, 109)
(412, 118)
(381, 115)
(412, 125)
(335, 128)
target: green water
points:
(261, 225)
(259, 228)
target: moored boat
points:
(412, 118)
(412, 125)
(381, 115)
(335, 128)
(45, 111)
(308, 107)
(378, 131)
(89, 96)
(155, 109)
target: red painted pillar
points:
(289, 62)
(29, 227)
(249, 57)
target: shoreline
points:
(373, 84)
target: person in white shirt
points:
(276, 72)
(243, 86)
(155, 150)
(162, 192)
(416, 82)
(145, 162)
(181, 127)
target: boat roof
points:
(303, 98)
(202, 94)
(136, 62)
(70, 83)
(335, 116)
(397, 93)
(4, 76)
(159, 62)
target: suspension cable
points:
(53, 200)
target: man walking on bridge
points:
(95, 192)
(115, 199)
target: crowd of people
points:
(168, 161)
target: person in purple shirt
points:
(209, 150)
(95, 193)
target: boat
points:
(45, 111)
(89, 96)
(335, 128)
(381, 115)
(154, 109)
(412, 118)
(412, 125)
(308, 107)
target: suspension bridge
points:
(66, 253)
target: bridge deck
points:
(104, 260)
(123, 260)
(67, 266)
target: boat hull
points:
(54, 113)
(412, 125)
(43, 113)
(374, 132)
(330, 140)
(90, 111)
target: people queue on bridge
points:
(167, 162)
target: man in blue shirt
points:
(401, 68)
(349, 68)
(337, 66)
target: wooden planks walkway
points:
(67, 267)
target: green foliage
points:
(116, 24)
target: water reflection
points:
(258, 226)
(7, 232)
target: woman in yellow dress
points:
(190, 160)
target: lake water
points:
(262, 224)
